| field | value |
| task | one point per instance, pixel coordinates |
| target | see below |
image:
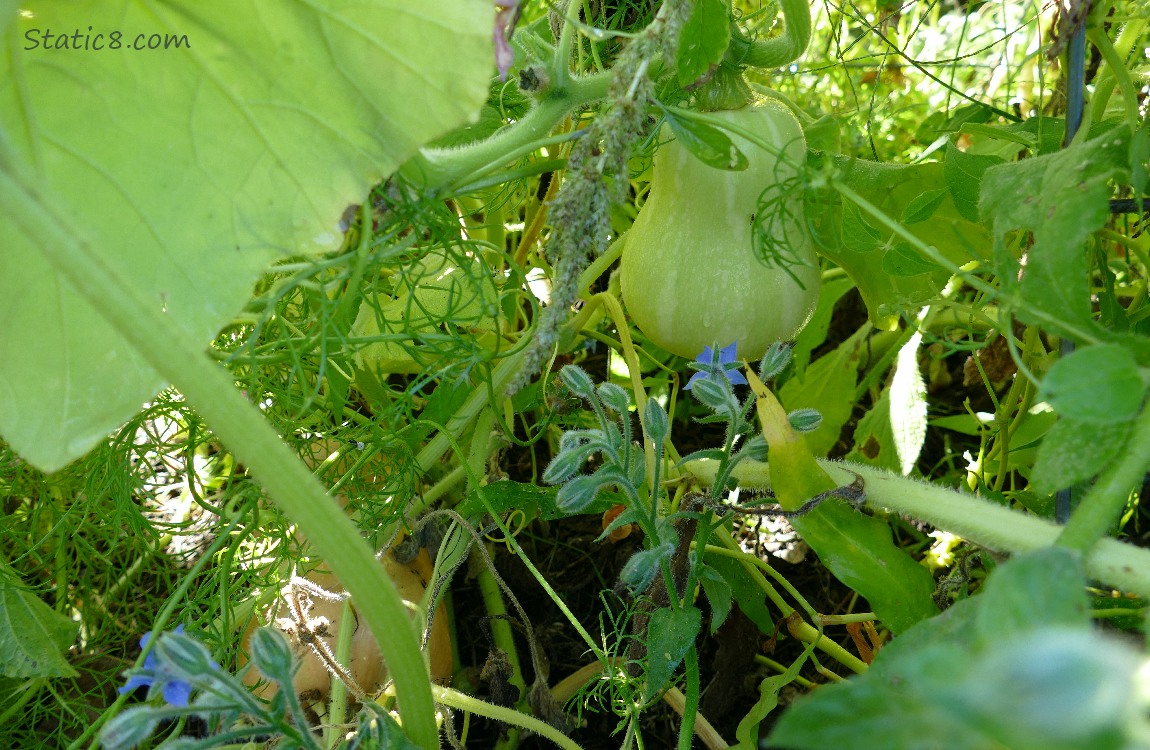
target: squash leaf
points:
(1061, 199)
(188, 169)
(1017, 666)
(850, 237)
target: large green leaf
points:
(1018, 666)
(189, 169)
(890, 274)
(1061, 199)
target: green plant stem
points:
(691, 672)
(561, 62)
(804, 631)
(464, 702)
(438, 168)
(991, 525)
(783, 49)
(1102, 43)
(180, 359)
(497, 619)
(1099, 509)
(337, 701)
(459, 423)
(1009, 414)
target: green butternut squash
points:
(689, 274)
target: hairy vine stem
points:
(985, 523)
(580, 214)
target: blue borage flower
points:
(176, 692)
(712, 365)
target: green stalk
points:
(435, 168)
(501, 631)
(988, 524)
(337, 701)
(691, 705)
(465, 702)
(1102, 505)
(1102, 43)
(181, 360)
(783, 49)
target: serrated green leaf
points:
(903, 260)
(1100, 384)
(1016, 666)
(750, 599)
(841, 233)
(707, 143)
(963, 173)
(703, 40)
(1061, 199)
(186, 171)
(923, 206)
(1074, 451)
(718, 593)
(671, 633)
(33, 638)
